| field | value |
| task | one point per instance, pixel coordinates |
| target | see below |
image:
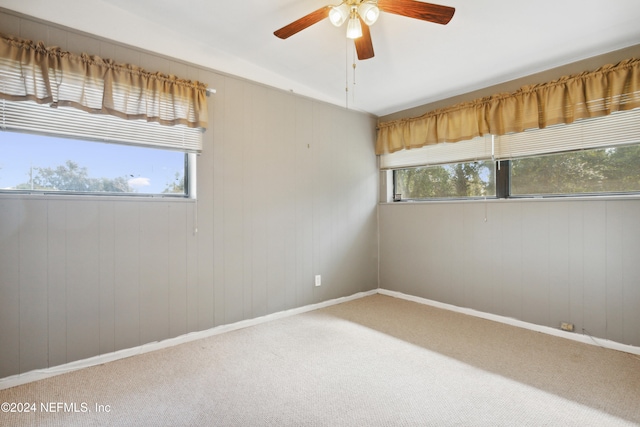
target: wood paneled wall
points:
(539, 261)
(287, 188)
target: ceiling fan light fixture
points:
(339, 14)
(354, 29)
(369, 12)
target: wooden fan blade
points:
(418, 10)
(364, 45)
(302, 23)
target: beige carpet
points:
(375, 361)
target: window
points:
(595, 171)
(461, 180)
(66, 150)
(38, 163)
(589, 157)
(443, 171)
(83, 124)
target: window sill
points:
(534, 199)
(94, 197)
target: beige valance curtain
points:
(48, 75)
(590, 94)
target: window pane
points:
(462, 180)
(44, 163)
(604, 170)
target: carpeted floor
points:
(375, 361)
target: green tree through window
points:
(474, 179)
(72, 177)
(590, 171)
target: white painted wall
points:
(287, 189)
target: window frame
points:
(189, 165)
(503, 180)
(590, 194)
(427, 199)
(616, 130)
(46, 119)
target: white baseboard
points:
(519, 323)
(40, 374)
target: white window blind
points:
(619, 128)
(479, 148)
(28, 116)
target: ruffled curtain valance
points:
(48, 75)
(590, 94)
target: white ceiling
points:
(487, 42)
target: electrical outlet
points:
(566, 326)
(318, 280)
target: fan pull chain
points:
(346, 75)
(354, 74)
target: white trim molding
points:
(40, 374)
(586, 339)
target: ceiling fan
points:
(360, 14)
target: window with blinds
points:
(616, 129)
(67, 150)
(476, 149)
(28, 116)
(588, 157)
(443, 171)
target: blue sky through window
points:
(147, 170)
